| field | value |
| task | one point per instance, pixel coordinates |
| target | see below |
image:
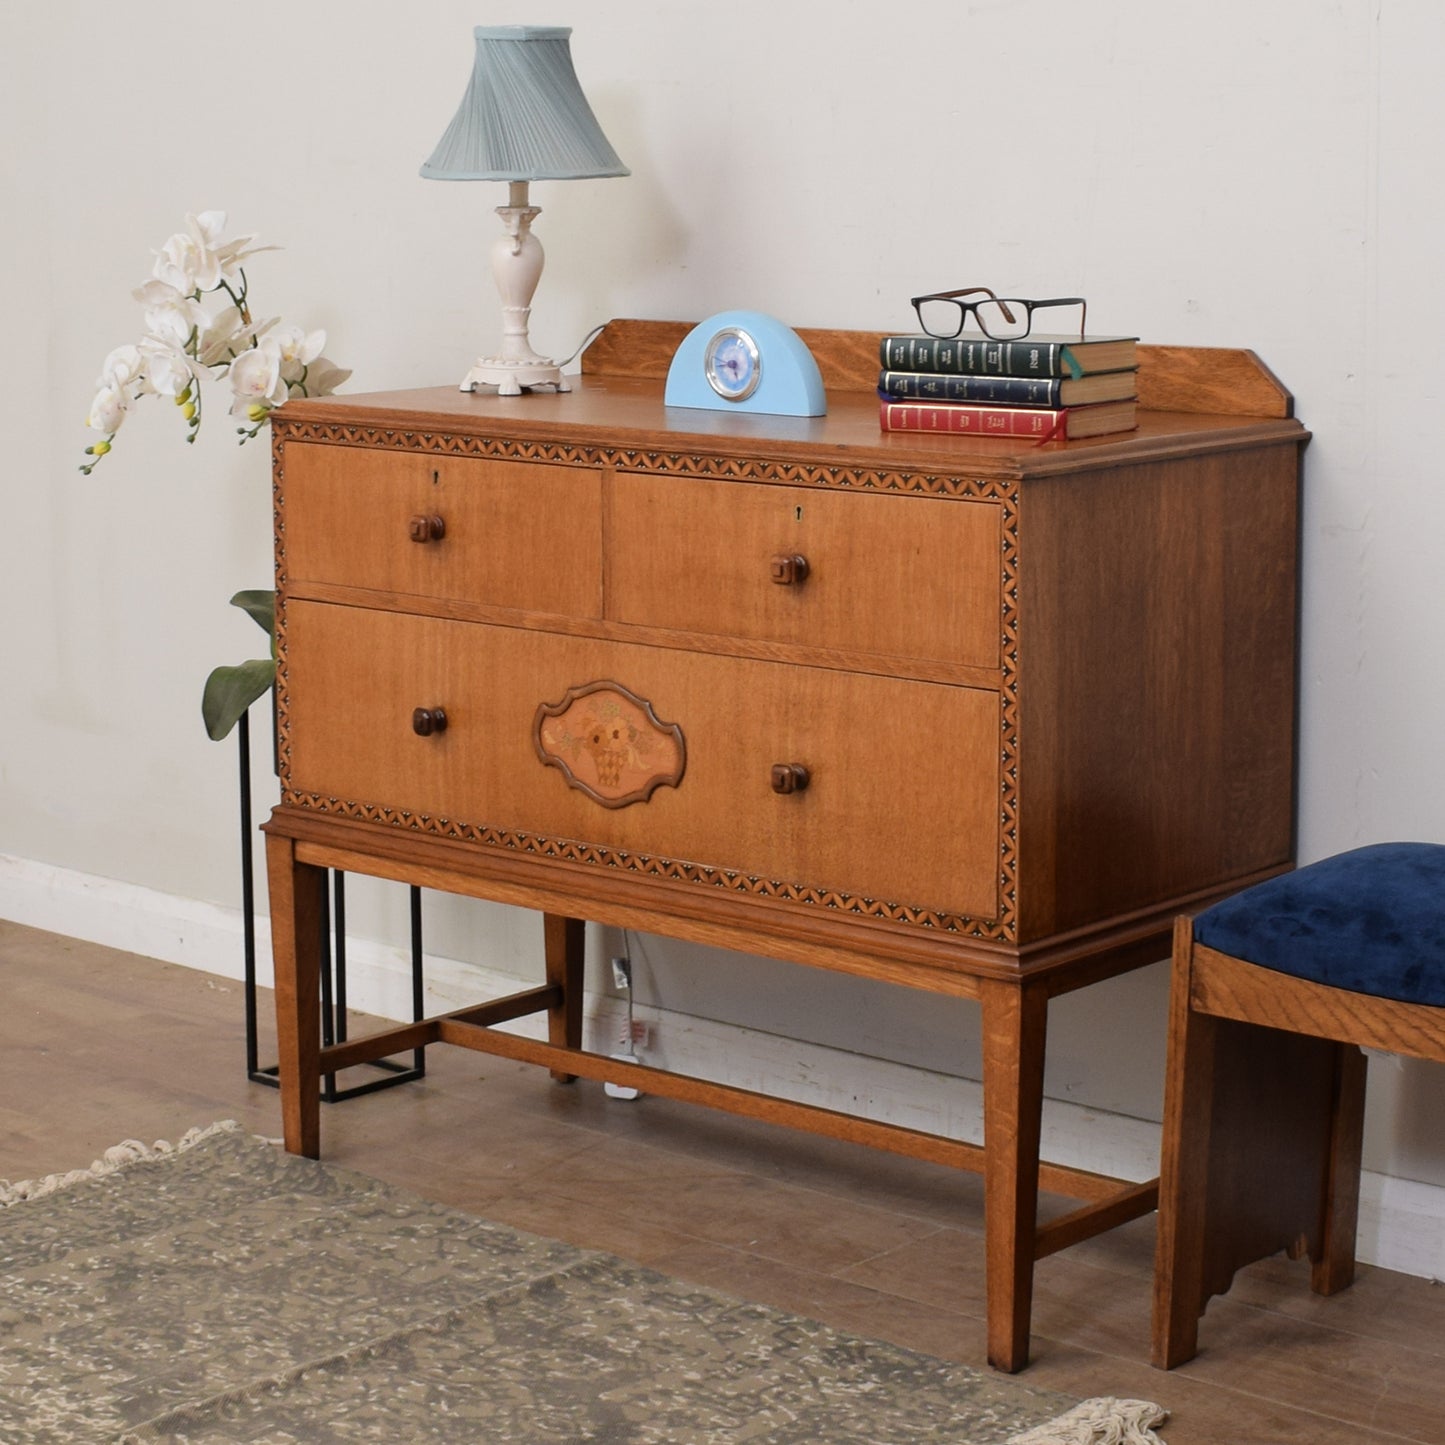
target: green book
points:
(1008, 390)
(974, 355)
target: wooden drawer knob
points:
(428, 720)
(427, 528)
(789, 571)
(789, 777)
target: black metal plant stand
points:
(333, 964)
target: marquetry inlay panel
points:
(609, 744)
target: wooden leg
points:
(1334, 1266)
(1261, 1150)
(1183, 1167)
(1015, 1015)
(564, 945)
(298, 902)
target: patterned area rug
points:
(221, 1290)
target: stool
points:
(1273, 993)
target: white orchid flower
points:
(166, 370)
(186, 266)
(323, 377)
(267, 362)
(120, 369)
(230, 256)
(224, 338)
(298, 346)
(205, 229)
(197, 259)
(256, 380)
(170, 315)
(298, 350)
(108, 410)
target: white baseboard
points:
(128, 917)
(1402, 1222)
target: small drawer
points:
(900, 576)
(504, 534)
(831, 781)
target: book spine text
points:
(998, 390)
(1040, 423)
(971, 356)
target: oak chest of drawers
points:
(972, 717)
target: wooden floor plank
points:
(96, 1046)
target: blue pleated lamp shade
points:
(524, 117)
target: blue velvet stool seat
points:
(1274, 992)
(1371, 921)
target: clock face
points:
(732, 364)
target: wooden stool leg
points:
(1333, 1267)
(564, 944)
(298, 907)
(1183, 1167)
(1015, 1017)
(1261, 1152)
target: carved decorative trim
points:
(609, 744)
(663, 463)
(649, 865)
(1000, 490)
(278, 513)
(1009, 721)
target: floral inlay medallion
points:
(609, 743)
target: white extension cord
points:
(632, 1034)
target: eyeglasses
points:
(943, 314)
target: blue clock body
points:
(745, 361)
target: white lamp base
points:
(511, 378)
(516, 267)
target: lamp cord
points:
(586, 342)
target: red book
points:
(1042, 423)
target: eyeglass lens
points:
(946, 317)
(1001, 319)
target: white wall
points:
(1234, 174)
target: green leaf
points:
(260, 606)
(231, 690)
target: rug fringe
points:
(118, 1156)
(1103, 1420)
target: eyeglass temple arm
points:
(950, 295)
(1078, 301)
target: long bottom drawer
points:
(877, 787)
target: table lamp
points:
(524, 118)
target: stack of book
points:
(1050, 388)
